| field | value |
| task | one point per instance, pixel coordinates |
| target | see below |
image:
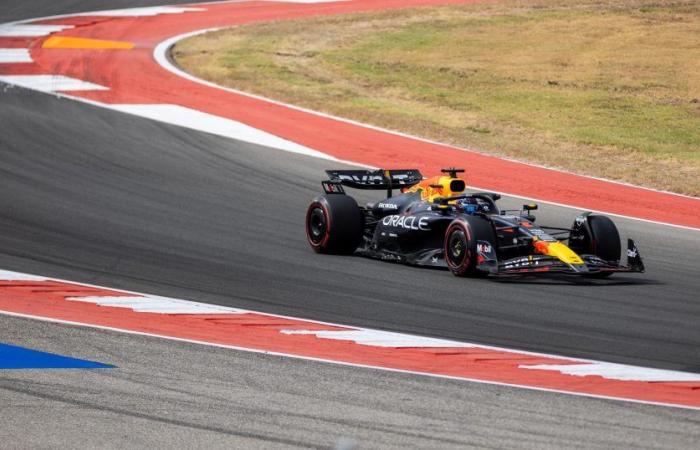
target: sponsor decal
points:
(485, 255)
(541, 234)
(388, 206)
(483, 248)
(518, 263)
(364, 179)
(369, 178)
(406, 222)
(527, 262)
(632, 252)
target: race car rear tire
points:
(601, 239)
(460, 244)
(334, 224)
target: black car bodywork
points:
(433, 222)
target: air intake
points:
(457, 185)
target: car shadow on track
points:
(578, 281)
(539, 279)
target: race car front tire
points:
(606, 239)
(599, 238)
(334, 224)
(460, 244)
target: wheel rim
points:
(457, 248)
(317, 225)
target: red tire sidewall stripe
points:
(464, 226)
(324, 242)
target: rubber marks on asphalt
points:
(85, 43)
(66, 302)
(13, 357)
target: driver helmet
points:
(470, 205)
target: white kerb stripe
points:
(50, 83)
(141, 12)
(24, 30)
(378, 338)
(200, 121)
(6, 275)
(156, 304)
(15, 55)
(613, 371)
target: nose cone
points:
(559, 251)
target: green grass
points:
(599, 87)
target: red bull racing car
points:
(434, 222)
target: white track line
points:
(141, 12)
(14, 55)
(7, 275)
(614, 371)
(15, 29)
(201, 121)
(364, 336)
(156, 304)
(160, 54)
(50, 83)
(346, 364)
(377, 338)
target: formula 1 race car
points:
(433, 222)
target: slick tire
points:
(460, 245)
(604, 241)
(334, 224)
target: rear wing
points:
(371, 179)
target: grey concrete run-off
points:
(166, 394)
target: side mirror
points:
(530, 207)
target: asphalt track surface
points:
(101, 197)
(105, 198)
(19, 10)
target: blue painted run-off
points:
(12, 357)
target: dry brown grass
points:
(604, 88)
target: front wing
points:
(540, 264)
